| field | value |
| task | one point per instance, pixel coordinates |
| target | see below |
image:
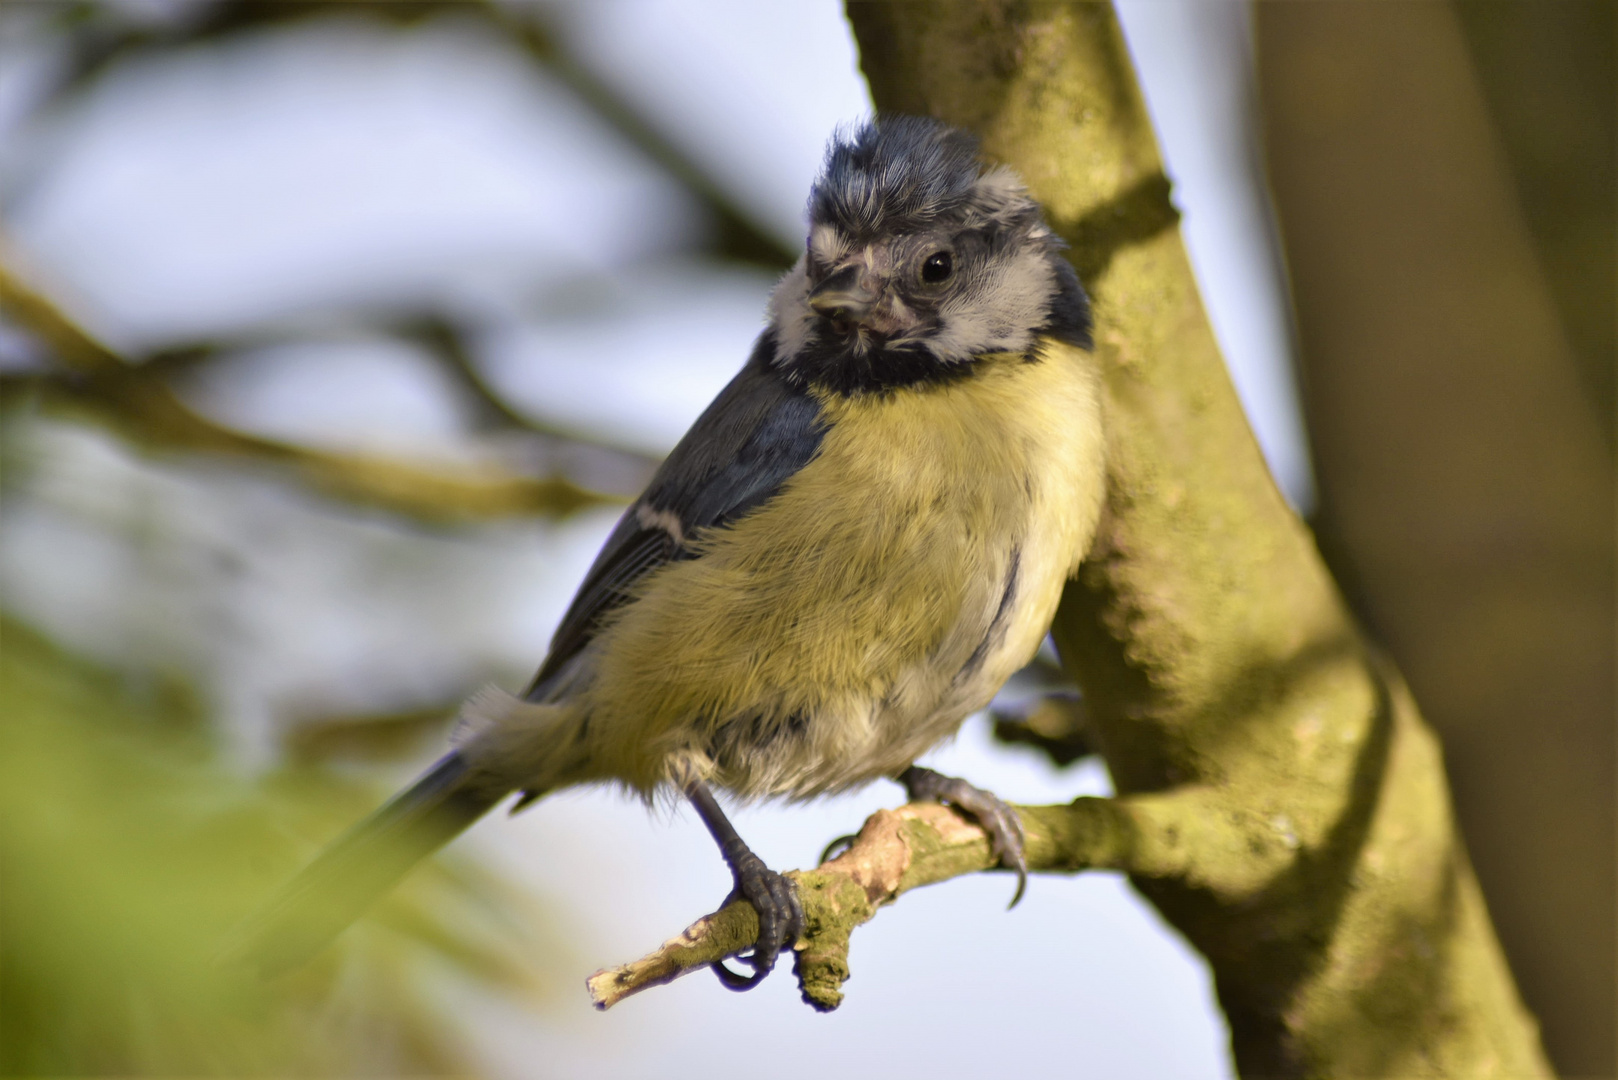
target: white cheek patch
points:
(1000, 312)
(999, 191)
(790, 314)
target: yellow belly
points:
(829, 637)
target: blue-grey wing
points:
(758, 432)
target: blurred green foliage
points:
(129, 849)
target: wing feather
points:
(758, 432)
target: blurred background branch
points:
(101, 36)
(135, 401)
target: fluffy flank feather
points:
(535, 746)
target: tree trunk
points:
(1466, 487)
(1284, 803)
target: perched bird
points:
(857, 543)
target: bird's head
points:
(919, 262)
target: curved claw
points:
(839, 845)
(997, 819)
(774, 897)
(736, 981)
(1022, 885)
(780, 919)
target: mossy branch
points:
(92, 381)
(1187, 836)
(896, 851)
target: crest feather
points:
(895, 174)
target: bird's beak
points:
(846, 296)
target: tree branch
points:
(97, 383)
(445, 342)
(99, 42)
(1187, 836)
(896, 851)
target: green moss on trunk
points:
(1281, 800)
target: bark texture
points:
(1461, 429)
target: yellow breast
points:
(888, 549)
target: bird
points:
(856, 544)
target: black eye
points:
(938, 267)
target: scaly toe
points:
(996, 818)
(780, 921)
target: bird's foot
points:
(998, 819)
(780, 918)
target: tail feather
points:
(361, 865)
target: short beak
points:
(844, 296)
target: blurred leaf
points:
(128, 853)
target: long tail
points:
(361, 865)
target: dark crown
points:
(894, 174)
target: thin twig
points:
(99, 384)
(100, 43)
(442, 339)
(896, 851)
